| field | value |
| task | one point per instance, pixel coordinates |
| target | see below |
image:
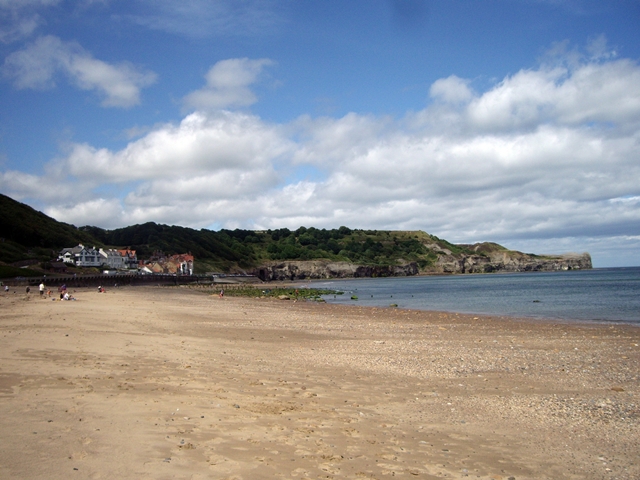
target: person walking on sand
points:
(41, 287)
(221, 293)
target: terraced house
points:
(81, 256)
(112, 258)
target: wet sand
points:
(161, 383)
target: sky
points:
(511, 121)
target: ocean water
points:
(598, 295)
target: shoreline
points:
(171, 382)
(523, 317)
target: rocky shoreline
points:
(501, 261)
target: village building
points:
(81, 256)
(112, 258)
(130, 258)
(181, 264)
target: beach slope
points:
(160, 383)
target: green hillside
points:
(26, 234)
(239, 250)
(30, 237)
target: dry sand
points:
(159, 383)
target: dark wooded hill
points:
(29, 236)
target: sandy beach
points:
(170, 382)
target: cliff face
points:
(487, 260)
(511, 262)
(320, 269)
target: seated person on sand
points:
(68, 297)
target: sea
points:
(605, 295)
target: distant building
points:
(130, 258)
(112, 258)
(81, 256)
(181, 264)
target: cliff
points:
(319, 269)
(512, 262)
(486, 258)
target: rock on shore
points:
(485, 259)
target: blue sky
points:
(514, 121)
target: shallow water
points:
(603, 295)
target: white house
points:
(112, 258)
(81, 256)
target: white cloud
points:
(592, 92)
(20, 184)
(544, 154)
(328, 141)
(228, 84)
(95, 212)
(451, 89)
(199, 145)
(24, 185)
(37, 66)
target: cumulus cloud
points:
(191, 173)
(37, 67)
(570, 88)
(228, 84)
(593, 92)
(200, 144)
(451, 90)
(99, 211)
(545, 153)
(22, 185)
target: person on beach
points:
(28, 289)
(221, 293)
(6, 289)
(41, 288)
